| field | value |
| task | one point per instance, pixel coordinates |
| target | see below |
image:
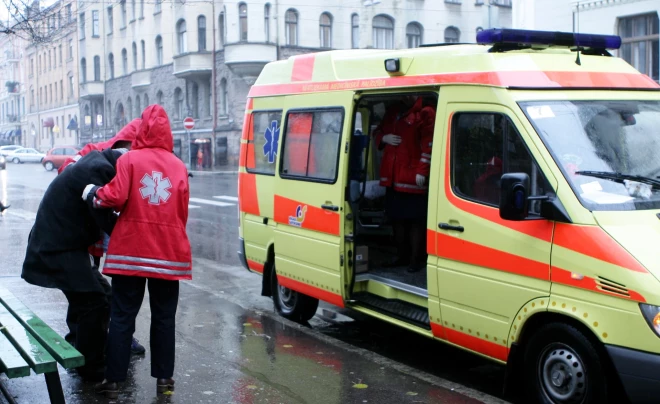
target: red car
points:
(57, 155)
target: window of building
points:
(110, 20)
(484, 147)
(159, 50)
(452, 35)
(133, 7)
(291, 27)
(122, 5)
(97, 68)
(325, 28)
(414, 34)
(146, 100)
(32, 97)
(224, 108)
(222, 28)
(141, 8)
(138, 107)
(69, 14)
(209, 98)
(83, 70)
(61, 59)
(311, 145)
(262, 148)
(111, 65)
(267, 22)
(195, 100)
(70, 49)
(71, 86)
(82, 25)
(50, 86)
(639, 37)
(355, 31)
(201, 33)
(181, 36)
(95, 24)
(158, 6)
(62, 89)
(242, 22)
(124, 61)
(159, 98)
(144, 54)
(31, 66)
(50, 65)
(178, 104)
(383, 32)
(135, 57)
(120, 119)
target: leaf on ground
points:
(247, 324)
(168, 393)
(411, 393)
(251, 387)
(287, 346)
(360, 386)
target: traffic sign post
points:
(189, 124)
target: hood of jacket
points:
(127, 133)
(155, 131)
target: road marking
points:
(23, 214)
(227, 198)
(208, 202)
(193, 207)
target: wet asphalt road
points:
(231, 347)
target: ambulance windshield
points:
(608, 150)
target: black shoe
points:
(137, 348)
(164, 385)
(108, 389)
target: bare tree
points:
(27, 21)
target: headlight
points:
(652, 316)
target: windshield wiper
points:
(618, 177)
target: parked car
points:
(57, 155)
(5, 150)
(25, 155)
(3, 162)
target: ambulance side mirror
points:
(514, 195)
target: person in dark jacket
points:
(57, 252)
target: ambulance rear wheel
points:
(562, 366)
(291, 304)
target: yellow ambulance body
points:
(557, 277)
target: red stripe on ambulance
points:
(313, 218)
(312, 291)
(468, 341)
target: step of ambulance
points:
(396, 284)
(398, 309)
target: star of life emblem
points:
(155, 188)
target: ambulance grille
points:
(612, 287)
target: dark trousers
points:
(410, 238)
(127, 296)
(88, 316)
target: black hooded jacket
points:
(57, 255)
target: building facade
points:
(12, 91)
(199, 59)
(635, 21)
(52, 80)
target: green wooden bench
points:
(26, 342)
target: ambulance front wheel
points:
(291, 304)
(562, 366)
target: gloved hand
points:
(89, 188)
(421, 180)
(393, 140)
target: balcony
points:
(91, 90)
(193, 65)
(248, 59)
(141, 80)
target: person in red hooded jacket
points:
(406, 137)
(149, 246)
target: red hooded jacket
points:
(151, 192)
(127, 133)
(401, 164)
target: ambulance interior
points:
(374, 235)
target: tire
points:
(16, 160)
(562, 366)
(49, 166)
(291, 304)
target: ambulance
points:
(539, 209)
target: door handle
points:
(333, 208)
(447, 226)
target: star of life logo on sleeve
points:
(155, 188)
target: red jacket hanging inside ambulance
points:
(401, 164)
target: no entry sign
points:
(188, 123)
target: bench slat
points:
(30, 349)
(56, 345)
(11, 362)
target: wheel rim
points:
(562, 374)
(16, 161)
(288, 298)
(49, 166)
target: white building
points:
(636, 21)
(12, 89)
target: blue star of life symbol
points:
(272, 136)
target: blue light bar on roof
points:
(528, 37)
